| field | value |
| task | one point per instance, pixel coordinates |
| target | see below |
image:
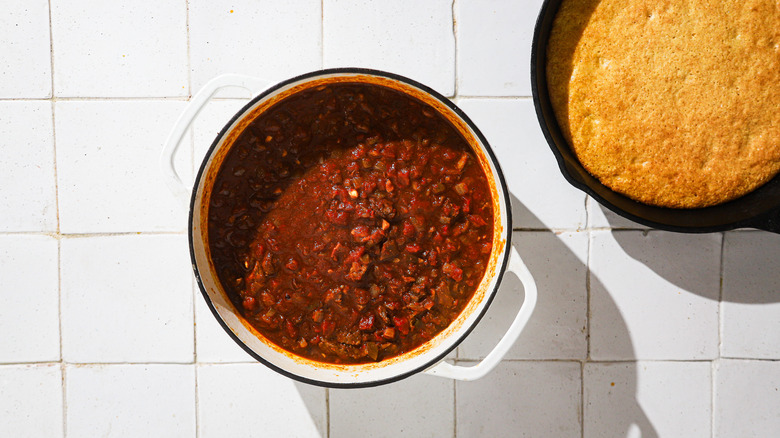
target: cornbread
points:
(673, 103)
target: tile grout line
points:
(605, 361)
(327, 412)
(489, 97)
(189, 56)
(103, 98)
(322, 33)
(712, 399)
(720, 331)
(453, 11)
(582, 398)
(191, 171)
(57, 233)
(588, 275)
(454, 409)
(119, 233)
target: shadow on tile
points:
(518, 395)
(315, 400)
(622, 399)
(671, 265)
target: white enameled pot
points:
(428, 357)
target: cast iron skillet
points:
(758, 209)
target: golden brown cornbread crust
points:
(673, 103)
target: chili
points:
(350, 223)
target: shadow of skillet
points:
(668, 265)
(558, 272)
(423, 405)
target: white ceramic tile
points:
(212, 343)
(411, 38)
(25, 50)
(130, 400)
(29, 299)
(602, 217)
(494, 46)
(267, 39)
(126, 299)
(420, 406)
(746, 398)
(214, 116)
(522, 399)
(648, 399)
(557, 328)
(108, 170)
(27, 194)
(541, 196)
(31, 401)
(654, 295)
(751, 303)
(113, 49)
(252, 400)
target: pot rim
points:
(501, 185)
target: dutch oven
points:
(426, 358)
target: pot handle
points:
(198, 101)
(445, 369)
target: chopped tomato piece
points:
(248, 303)
(452, 271)
(402, 324)
(409, 229)
(328, 327)
(366, 323)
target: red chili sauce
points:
(350, 223)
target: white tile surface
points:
(27, 193)
(85, 162)
(654, 296)
(511, 128)
(651, 398)
(252, 400)
(420, 406)
(411, 38)
(29, 299)
(126, 299)
(212, 343)
(522, 399)
(751, 306)
(747, 399)
(558, 327)
(113, 49)
(494, 46)
(267, 39)
(108, 155)
(25, 50)
(31, 401)
(130, 400)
